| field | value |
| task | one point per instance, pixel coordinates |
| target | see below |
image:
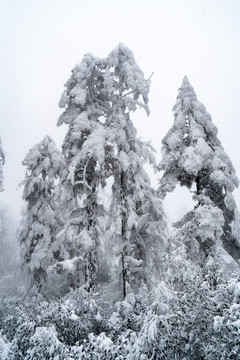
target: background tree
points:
(37, 234)
(194, 157)
(2, 161)
(8, 246)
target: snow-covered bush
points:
(4, 347)
(44, 344)
(21, 341)
(226, 323)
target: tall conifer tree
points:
(194, 157)
(101, 143)
(137, 222)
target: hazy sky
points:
(41, 41)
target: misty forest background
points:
(95, 271)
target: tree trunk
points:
(198, 187)
(124, 232)
(124, 277)
(89, 272)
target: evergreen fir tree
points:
(137, 222)
(37, 234)
(194, 157)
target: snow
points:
(230, 202)
(197, 132)
(174, 140)
(69, 264)
(218, 320)
(203, 149)
(179, 121)
(209, 221)
(124, 160)
(237, 291)
(73, 316)
(192, 163)
(102, 341)
(235, 308)
(98, 316)
(94, 146)
(133, 262)
(152, 329)
(236, 323)
(4, 348)
(79, 95)
(219, 177)
(162, 293)
(80, 123)
(84, 241)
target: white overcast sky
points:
(42, 40)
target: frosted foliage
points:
(95, 145)
(44, 342)
(235, 226)
(95, 85)
(124, 160)
(4, 347)
(70, 264)
(168, 184)
(132, 78)
(222, 264)
(174, 140)
(209, 222)
(79, 95)
(2, 161)
(76, 90)
(44, 158)
(85, 241)
(197, 132)
(203, 149)
(81, 123)
(205, 224)
(191, 162)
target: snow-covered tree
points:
(137, 223)
(2, 161)
(37, 234)
(85, 153)
(194, 157)
(101, 143)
